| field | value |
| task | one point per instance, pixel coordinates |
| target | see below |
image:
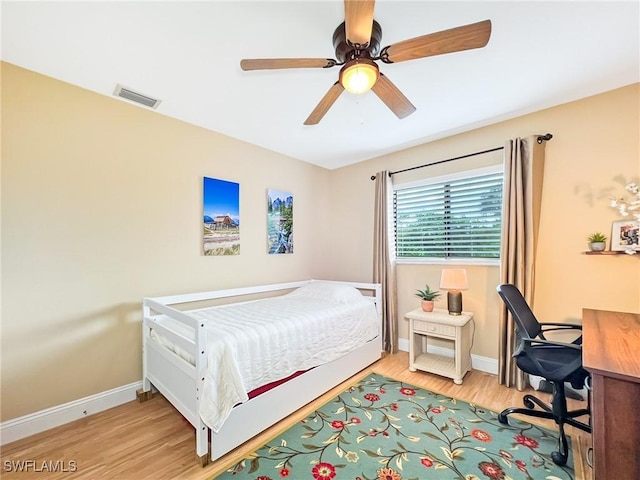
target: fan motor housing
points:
(345, 51)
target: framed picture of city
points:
(221, 217)
(279, 222)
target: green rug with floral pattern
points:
(383, 429)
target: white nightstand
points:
(456, 328)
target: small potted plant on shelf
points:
(428, 296)
(597, 242)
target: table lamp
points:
(453, 280)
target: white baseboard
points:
(484, 364)
(28, 425)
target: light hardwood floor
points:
(151, 440)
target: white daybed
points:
(177, 353)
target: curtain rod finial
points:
(541, 138)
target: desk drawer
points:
(434, 328)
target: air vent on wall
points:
(147, 101)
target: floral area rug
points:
(383, 429)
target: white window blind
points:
(455, 218)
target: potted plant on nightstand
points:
(428, 296)
(597, 242)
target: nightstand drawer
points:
(433, 328)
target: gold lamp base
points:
(454, 302)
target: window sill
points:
(488, 262)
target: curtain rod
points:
(540, 139)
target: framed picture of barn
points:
(221, 217)
(279, 222)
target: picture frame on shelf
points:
(625, 235)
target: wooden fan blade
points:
(358, 20)
(392, 97)
(325, 104)
(467, 37)
(275, 63)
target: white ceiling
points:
(187, 54)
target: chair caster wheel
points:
(558, 458)
(503, 419)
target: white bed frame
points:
(181, 382)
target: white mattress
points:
(253, 343)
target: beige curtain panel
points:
(523, 175)
(384, 267)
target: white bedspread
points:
(253, 343)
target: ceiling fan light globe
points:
(359, 76)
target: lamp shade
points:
(359, 75)
(454, 279)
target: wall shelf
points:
(608, 252)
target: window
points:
(453, 217)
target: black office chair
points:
(556, 362)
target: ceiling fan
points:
(357, 47)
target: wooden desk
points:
(611, 352)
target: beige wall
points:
(102, 205)
(596, 142)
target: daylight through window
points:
(459, 217)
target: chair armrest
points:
(561, 326)
(549, 343)
(555, 327)
(536, 342)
